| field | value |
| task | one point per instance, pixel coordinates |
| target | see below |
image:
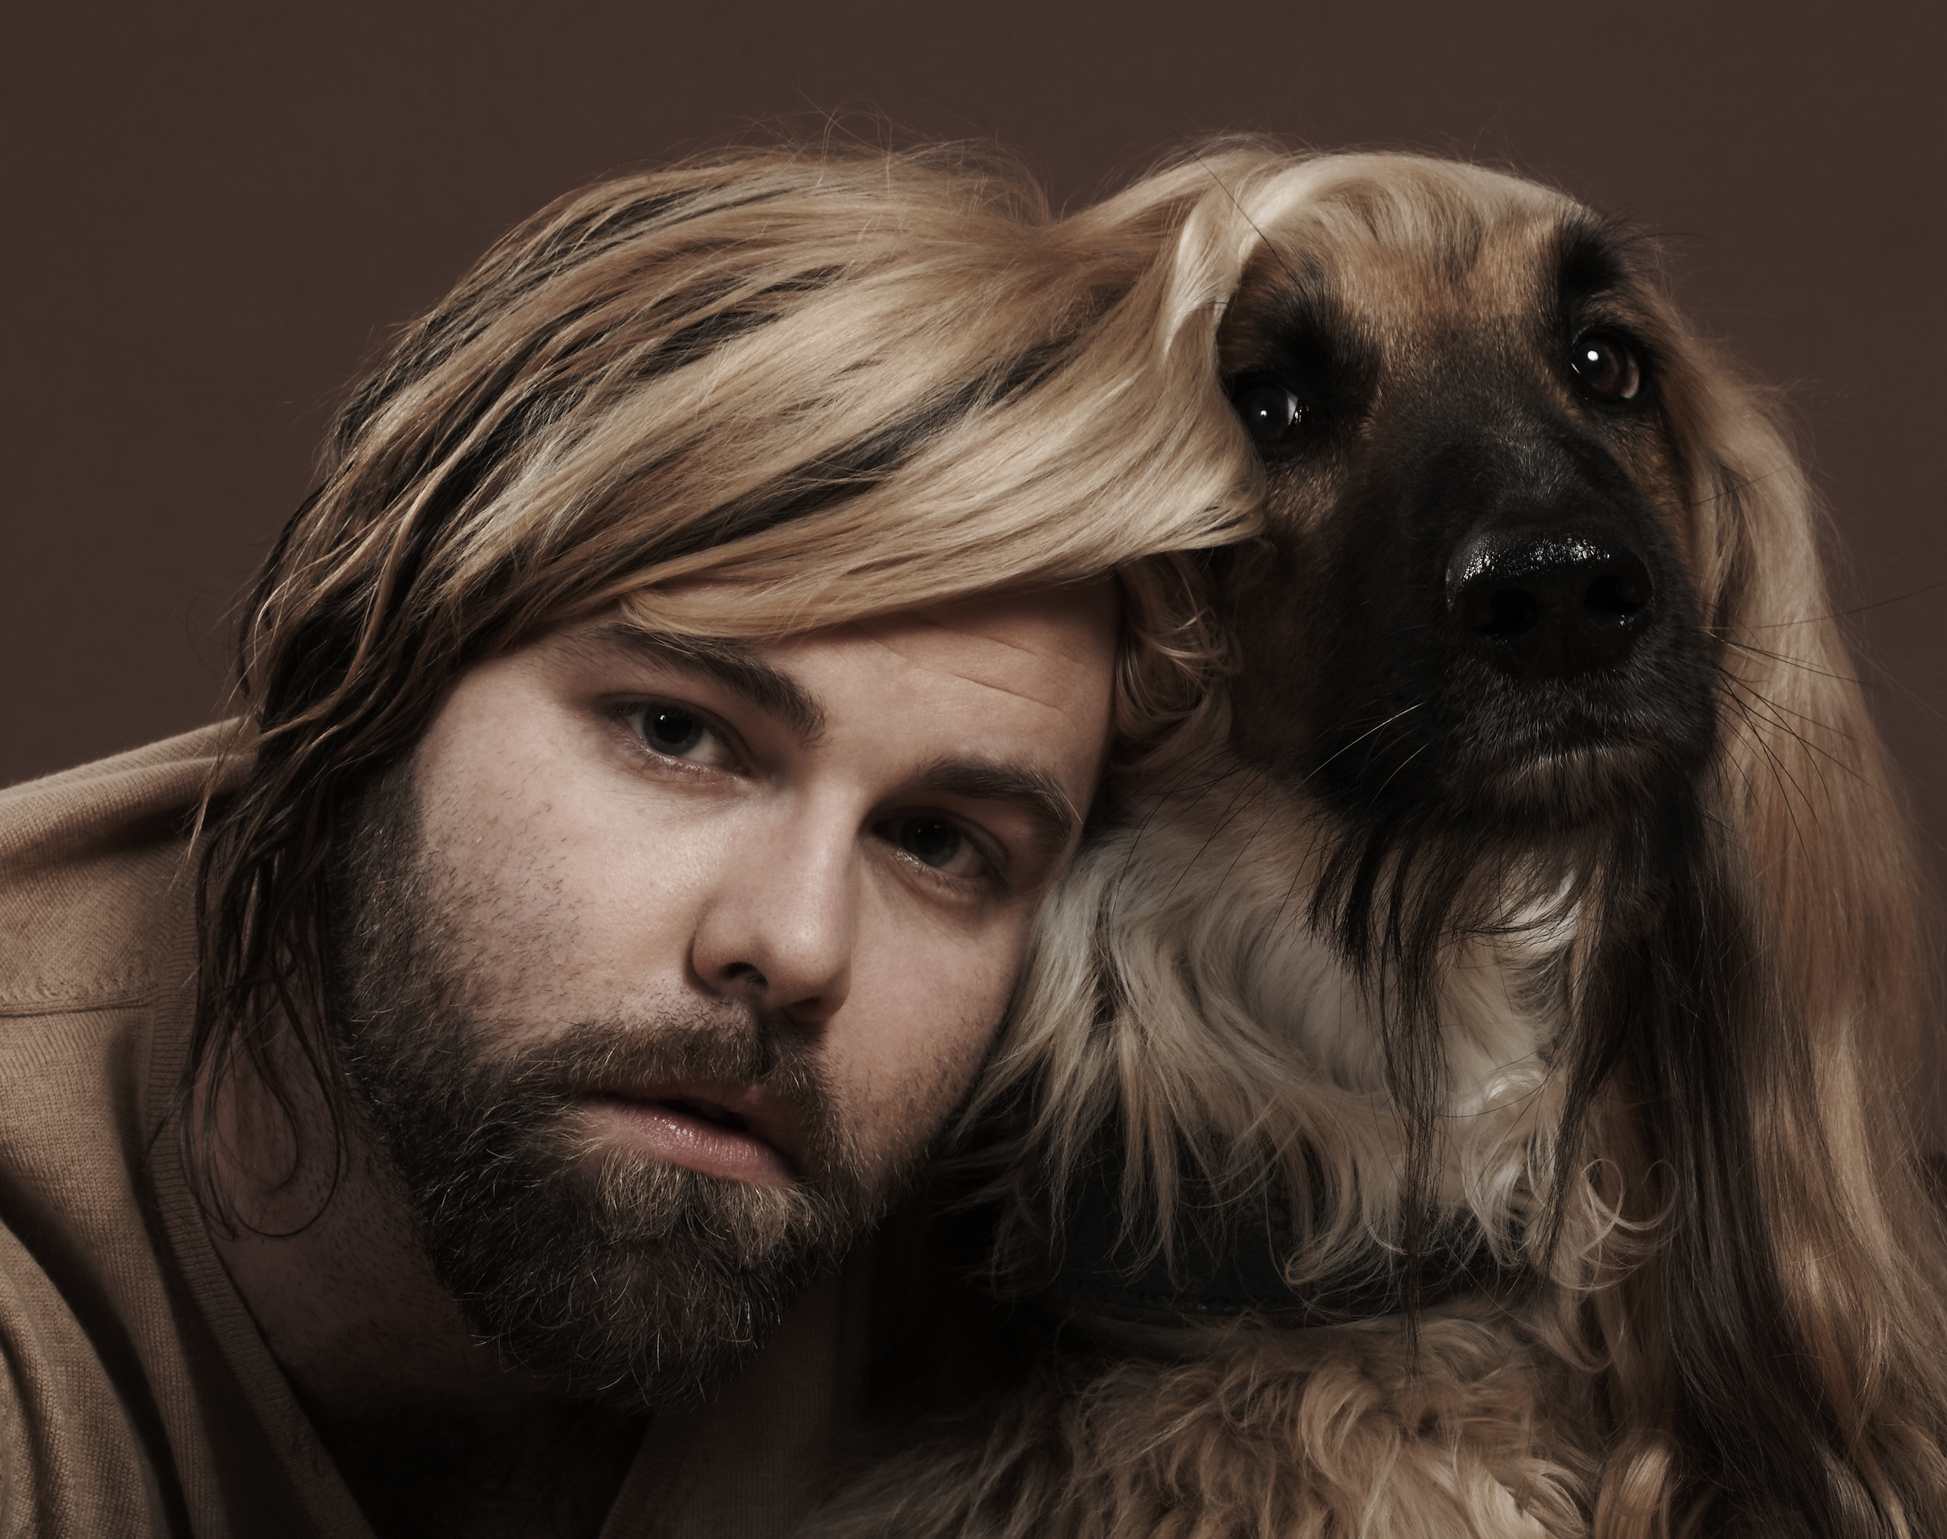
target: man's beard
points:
(617, 1277)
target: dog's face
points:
(1475, 604)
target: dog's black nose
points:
(1549, 600)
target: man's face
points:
(659, 968)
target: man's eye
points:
(936, 842)
(671, 731)
(679, 733)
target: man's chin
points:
(641, 1288)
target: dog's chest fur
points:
(1205, 936)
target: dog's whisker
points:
(1792, 662)
(1846, 614)
(1766, 746)
(1735, 489)
(1398, 768)
(1783, 776)
(1232, 811)
(1752, 697)
(1165, 812)
(1733, 681)
(1345, 748)
(1178, 792)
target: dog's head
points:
(1477, 604)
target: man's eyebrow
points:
(1039, 792)
(775, 693)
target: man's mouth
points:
(738, 1133)
(709, 1111)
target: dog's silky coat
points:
(1467, 1101)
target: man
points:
(453, 1099)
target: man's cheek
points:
(910, 1057)
(895, 1124)
(940, 1083)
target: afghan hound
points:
(1471, 1098)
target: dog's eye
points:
(1605, 366)
(1271, 413)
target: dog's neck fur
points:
(1241, 1045)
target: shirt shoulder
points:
(87, 858)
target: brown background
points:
(216, 212)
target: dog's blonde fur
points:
(1671, 1104)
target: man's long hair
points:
(742, 397)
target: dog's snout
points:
(1550, 600)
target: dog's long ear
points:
(1786, 1351)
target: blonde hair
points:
(742, 397)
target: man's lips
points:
(738, 1132)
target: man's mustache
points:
(536, 1083)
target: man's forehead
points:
(1004, 639)
(1053, 646)
(1044, 641)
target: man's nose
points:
(780, 927)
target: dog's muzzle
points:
(1551, 600)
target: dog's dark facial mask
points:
(1474, 491)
